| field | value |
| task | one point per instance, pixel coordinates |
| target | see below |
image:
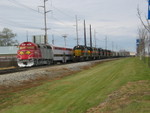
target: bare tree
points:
(147, 24)
(142, 33)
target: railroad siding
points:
(8, 56)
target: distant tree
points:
(6, 38)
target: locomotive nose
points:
(24, 54)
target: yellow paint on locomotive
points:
(89, 52)
(21, 52)
(28, 52)
(77, 52)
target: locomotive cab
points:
(80, 53)
(27, 54)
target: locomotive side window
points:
(38, 46)
(49, 47)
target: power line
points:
(63, 12)
(16, 24)
(22, 5)
(61, 22)
(51, 4)
(60, 10)
(27, 7)
(17, 3)
(45, 21)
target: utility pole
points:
(46, 38)
(53, 39)
(27, 36)
(65, 36)
(95, 36)
(45, 22)
(84, 34)
(106, 42)
(112, 45)
(77, 29)
(116, 47)
(90, 37)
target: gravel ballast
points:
(50, 72)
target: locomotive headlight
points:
(28, 52)
(21, 52)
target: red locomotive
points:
(31, 54)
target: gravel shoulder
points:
(16, 79)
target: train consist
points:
(32, 54)
(83, 53)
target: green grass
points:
(146, 60)
(78, 92)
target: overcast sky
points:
(115, 19)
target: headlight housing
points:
(28, 52)
(21, 52)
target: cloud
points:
(115, 18)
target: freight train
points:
(83, 53)
(32, 54)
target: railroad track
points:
(7, 71)
(18, 69)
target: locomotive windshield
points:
(27, 47)
(79, 47)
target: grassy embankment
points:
(81, 91)
(146, 60)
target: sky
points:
(114, 22)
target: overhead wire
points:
(18, 3)
(17, 24)
(25, 6)
(65, 14)
(60, 21)
(62, 12)
(55, 30)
